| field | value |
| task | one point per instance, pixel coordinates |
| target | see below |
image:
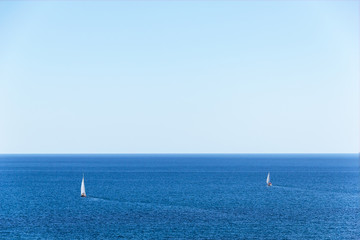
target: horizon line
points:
(178, 153)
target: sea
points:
(180, 196)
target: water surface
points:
(202, 196)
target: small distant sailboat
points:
(83, 194)
(268, 180)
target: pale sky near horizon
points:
(179, 77)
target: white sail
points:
(83, 187)
(268, 178)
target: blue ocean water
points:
(180, 196)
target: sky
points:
(179, 77)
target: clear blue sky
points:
(179, 77)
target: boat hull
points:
(269, 184)
(83, 195)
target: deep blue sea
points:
(180, 196)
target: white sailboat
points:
(268, 180)
(83, 194)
